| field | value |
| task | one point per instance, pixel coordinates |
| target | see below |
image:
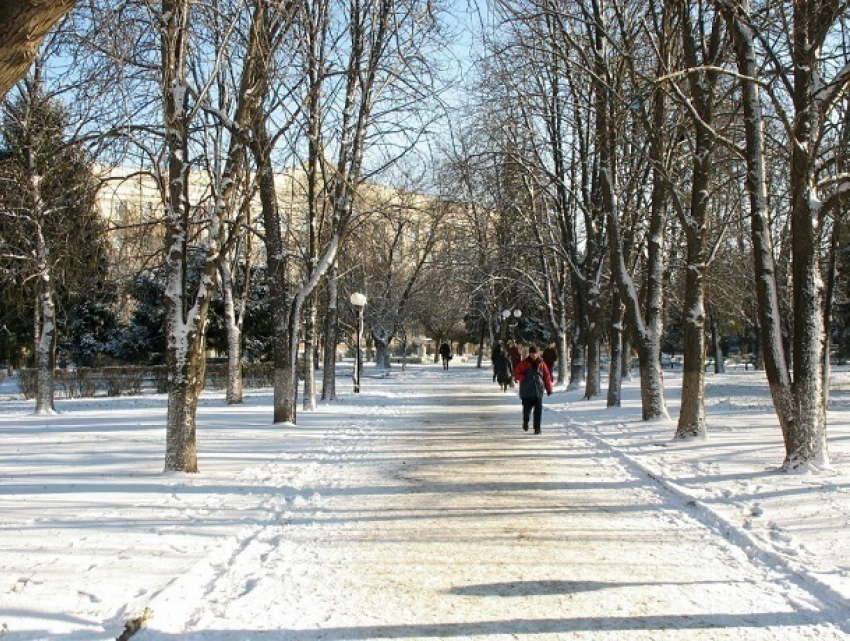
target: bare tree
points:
(815, 188)
(703, 39)
(645, 309)
(399, 240)
(235, 291)
(208, 229)
(374, 76)
(551, 89)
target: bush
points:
(27, 382)
(257, 375)
(159, 373)
(88, 381)
(122, 381)
(85, 382)
(216, 376)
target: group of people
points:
(533, 374)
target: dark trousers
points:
(535, 404)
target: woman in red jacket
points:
(534, 380)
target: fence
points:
(86, 382)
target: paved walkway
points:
(441, 519)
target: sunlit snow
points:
(419, 509)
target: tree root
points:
(133, 625)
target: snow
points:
(418, 509)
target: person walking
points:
(497, 351)
(514, 354)
(549, 356)
(504, 372)
(534, 380)
(445, 354)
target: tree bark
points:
(234, 339)
(700, 50)
(266, 29)
(331, 337)
(615, 372)
(577, 364)
(185, 369)
(44, 330)
(739, 20)
(807, 442)
(309, 399)
(593, 381)
(45, 353)
(276, 272)
(23, 26)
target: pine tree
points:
(50, 235)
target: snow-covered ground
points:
(420, 510)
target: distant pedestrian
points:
(504, 372)
(534, 380)
(445, 354)
(549, 356)
(514, 354)
(497, 351)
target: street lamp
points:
(506, 314)
(359, 301)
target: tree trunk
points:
(719, 365)
(44, 329)
(770, 318)
(562, 345)
(181, 325)
(649, 331)
(289, 387)
(481, 336)
(593, 382)
(700, 50)
(186, 305)
(615, 374)
(807, 442)
(234, 339)
(23, 26)
(331, 339)
(277, 272)
(309, 399)
(45, 333)
(626, 357)
(186, 381)
(605, 205)
(289, 376)
(692, 415)
(577, 364)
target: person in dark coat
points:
(497, 351)
(504, 372)
(445, 354)
(549, 356)
(514, 354)
(534, 380)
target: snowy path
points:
(437, 517)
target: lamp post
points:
(359, 301)
(506, 315)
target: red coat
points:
(514, 355)
(525, 365)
